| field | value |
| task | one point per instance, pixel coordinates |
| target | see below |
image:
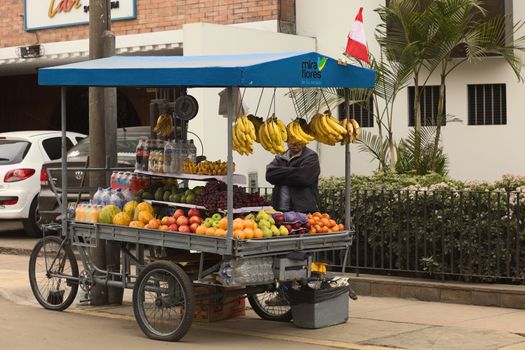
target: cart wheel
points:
(272, 306)
(163, 301)
(52, 270)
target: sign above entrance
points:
(42, 14)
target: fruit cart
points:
(163, 285)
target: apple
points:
(182, 220)
(168, 220)
(184, 228)
(297, 225)
(194, 212)
(173, 227)
(279, 218)
(195, 219)
(193, 226)
(289, 228)
(178, 213)
(308, 225)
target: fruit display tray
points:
(90, 232)
(238, 179)
(186, 205)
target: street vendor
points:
(295, 176)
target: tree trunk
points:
(440, 118)
(417, 122)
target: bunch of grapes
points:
(214, 197)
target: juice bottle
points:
(93, 214)
(78, 209)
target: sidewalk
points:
(374, 324)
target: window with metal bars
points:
(363, 114)
(428, 105)
(487, 104)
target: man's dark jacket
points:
(301, 175)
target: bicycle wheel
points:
(163, 301)
(52, 267)
(272, 305)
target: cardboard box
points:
(218, 309)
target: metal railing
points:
(459, 235)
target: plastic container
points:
(192, 152)
(170, 158)
(128, 195)
(106, 197)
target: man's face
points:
(295, 147)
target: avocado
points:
(182, 199)
(190, 198)
(138, 199)
(166, 196)
(172, 198)
(174, 189)
(159, 194)
(177, 198)
(147, 195)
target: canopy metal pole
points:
(64, 159)
(229, 240)
(348, 213)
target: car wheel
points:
(32, 225)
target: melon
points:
(144, 216)
(107, 213)
(136, 223)
(144, 206)
(129, 208)
(121, 219)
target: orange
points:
(223, 223)
(311, 221)
(331, 223)
(257, 233)
(308, 216)
(249, 224)
(312, 230)
(201, 230)
(153, 223)
(334, 228)
(317, 214)
(318, 228)
(238, 224)
(239, 234)
(248, 233)
(325, 216)
(325, 222)
(325, 229)
(210, 231)
(341, 227)
(220, 232)
(317, 219)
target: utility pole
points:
(102, 125)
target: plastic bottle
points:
(78, 212)
(152, 156)
(114, 180)
(139, 153)
(93, 215)
(169, 158)
(87, 213)
(128, 195)
(192, 152)
(183, 155)
(97, 197)
(106, 197)
(145, 155)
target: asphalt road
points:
(13, 236)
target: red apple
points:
(193, 226)
(289, 228)
(279, 218)
(195, 219)
(173, 227)
(194, 212)
(178, 213)
(297, 225)
(184, 228)
(307, 225)
(182, 220)
(168, 220)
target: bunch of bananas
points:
(272, 134)
(257, 123)
(164, 125)
(206, 167)
(243, 135)
(352, 130)
(296, 131)
(326, 129)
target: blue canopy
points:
(295, 69)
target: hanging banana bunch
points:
(296, 131)
(352, 130)
(326, 129)
(164, 126)
(257, 123)
(272, 134)
(243, 135)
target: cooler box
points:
(318, 308)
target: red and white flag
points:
(356, 45)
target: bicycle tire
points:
(55, 300)
(263, 311)
(188, 308)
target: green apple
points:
(267, 232)
(275, 230)
(208, 222)
(216, 224)
(264, 224)
(216, 217)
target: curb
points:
(498, 295)
(15, 251)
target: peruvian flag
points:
(356, 45)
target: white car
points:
(22, 154)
